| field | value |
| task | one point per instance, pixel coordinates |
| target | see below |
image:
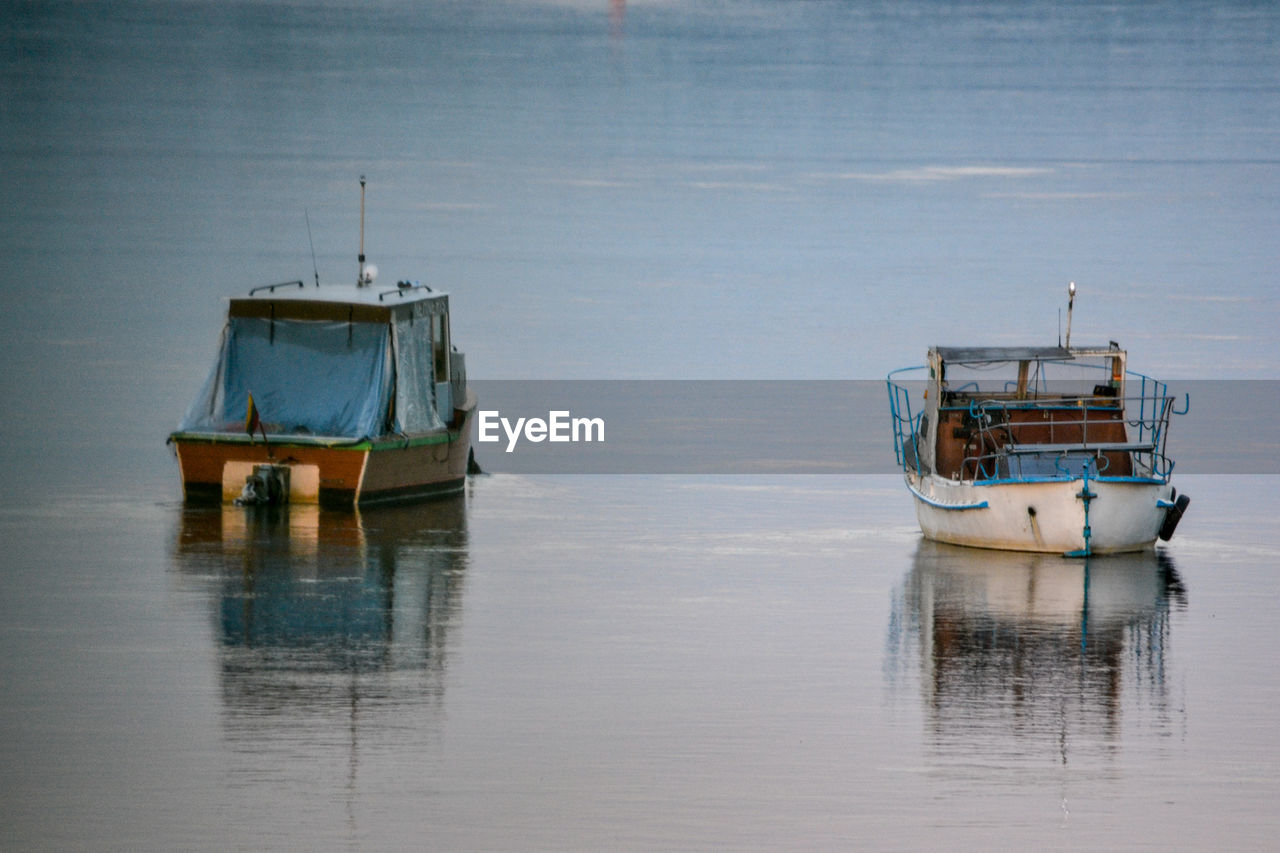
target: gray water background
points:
(657, 191)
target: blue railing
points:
(906, 424)
(995, 435)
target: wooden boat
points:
(1054, 449)
(338, 395)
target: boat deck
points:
(1006, 435)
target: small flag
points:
(251, 421)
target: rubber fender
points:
(1172, 516)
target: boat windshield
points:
(1068, 377)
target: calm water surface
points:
(632, 662)
(626, 190)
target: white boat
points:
(1052, 449)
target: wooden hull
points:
(384, 470)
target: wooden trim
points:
(201, 463)
(301, 309)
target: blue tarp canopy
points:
(307, 377)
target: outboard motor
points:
(268, 484)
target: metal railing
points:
(906, 424)
(1008, 445)
(271, 288)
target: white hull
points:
(1123, 515)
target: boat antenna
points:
(315, 269)
(360, 277)
(1071, 298)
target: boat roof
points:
(982, 355)
(402, 291)
(370, 303)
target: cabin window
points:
(440, 346)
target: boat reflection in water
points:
(1035, 646)
(327, 614)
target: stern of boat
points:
(1077, 517)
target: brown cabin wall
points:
(958, 437)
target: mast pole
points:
(360, 278)
(314, 267)
(1071, 298)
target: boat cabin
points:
(333, 362)
(1016, 413)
